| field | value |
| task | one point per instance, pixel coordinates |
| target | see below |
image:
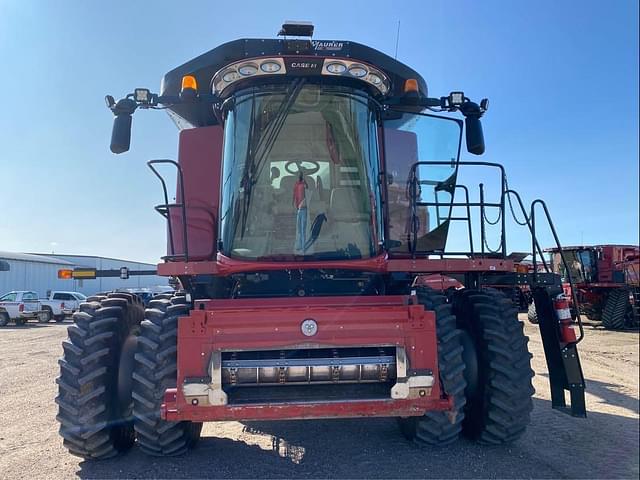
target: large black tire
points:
(498, 409)
(4, 319)
(95, 420)
(441, 428)
(615, 309)
(532, 314)
(155, 371)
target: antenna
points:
(397, 40)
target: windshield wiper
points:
(257, 155)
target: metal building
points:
(39, 272)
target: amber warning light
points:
(189, 82)
(81, 273)
(65, 274)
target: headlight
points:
(358, 71)
(230, 76)
(248, 69)
(336, 67)
(375, 79)
(270, 67)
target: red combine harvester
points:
(606, 279)
(315, 183)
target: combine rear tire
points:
(441, 427)
(498, 408)
(155, 371)
(532, 315)
(94, 411)
(615, 309)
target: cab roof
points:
(205, 66)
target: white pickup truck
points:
(62, 303)
(22, 306)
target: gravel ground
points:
(605, 445)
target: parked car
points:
(22, 306)
(61, 304)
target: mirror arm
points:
(125, 106)
(128, 105)
(471, 109)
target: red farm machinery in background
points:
(316, 180)
(606, 279)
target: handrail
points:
(413, 191)
(466, 196)
(535, 245)
(168, 206)
(564, 262)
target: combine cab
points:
(606, 279)
(315, 184)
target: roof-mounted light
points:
(359, 70)
(411, 85)
(189, 82)
(270, 67)
(336, 68)
(296, 28)
(255, 67)
(456, 99)
(247, 69)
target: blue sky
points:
(562, 78)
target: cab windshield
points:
(581, 263)
(300, 174)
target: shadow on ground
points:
(556, 445)
(30, 325)
(609, 393)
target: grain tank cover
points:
(293, 52)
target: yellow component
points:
(410, 85)
(84, 273)
(189, 81)
(65, 274)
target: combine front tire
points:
(94, 404)
(499, 404)
(441, 427)
(615, 309)
(155, 371)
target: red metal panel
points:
(226, 266)
(200, 157)
(455, 265)
(270, 324)
(297, 411)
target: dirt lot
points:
(555, 446)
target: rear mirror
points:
(121, 133)
(474, 135)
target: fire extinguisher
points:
(563, 312)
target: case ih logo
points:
(320, 45)
(303, 66)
